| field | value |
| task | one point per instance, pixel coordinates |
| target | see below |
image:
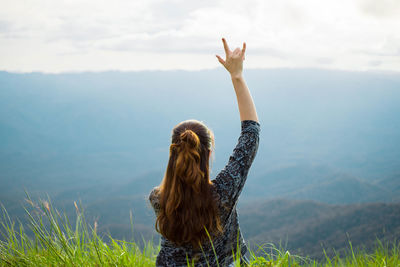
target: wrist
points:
(237, 76)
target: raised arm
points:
(230, 181)
(233, 63)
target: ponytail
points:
(187, 202)
(187, 163)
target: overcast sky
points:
(94, 35)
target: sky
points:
(55, 36)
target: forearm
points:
(246, 105)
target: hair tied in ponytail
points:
(191, 139)
(187, 165)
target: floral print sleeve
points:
(230, 181)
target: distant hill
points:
(60, 131)
(320, 183)
(391, 183)
(306, 227)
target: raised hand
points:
(233, 62)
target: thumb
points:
(220, 60)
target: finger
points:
(220, 60)
(226, 47)
(244, 51)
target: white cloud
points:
(73, 35)
(382, 9)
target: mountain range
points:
(329, 146)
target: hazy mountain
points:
(94, 128)
(320, 183)
(103, 138)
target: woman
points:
(197, 217)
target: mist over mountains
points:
(326, 136)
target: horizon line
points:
(389, 72)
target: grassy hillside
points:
(306, 226)
(58, 242)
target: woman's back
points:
(227, 187)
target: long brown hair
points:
(187, 205)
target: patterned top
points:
(227, 187)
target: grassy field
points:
(55, 241)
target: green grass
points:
(56, 242)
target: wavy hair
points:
(187, 205)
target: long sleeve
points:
(230, 181)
